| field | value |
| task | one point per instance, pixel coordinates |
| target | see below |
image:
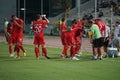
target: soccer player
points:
(102, 27)
(38, 28)
(80, 24)
(76, 29)
(71, 40)
(63, 34)
(18, 34)
(95, 39)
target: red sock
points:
(65, 50)
(21, 47)
(10, 49)
(37, 52)
(77, 48)
(44, 51)
(15, 48)
(72, 52)
(18, 52)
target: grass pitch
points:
(56, 68)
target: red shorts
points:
(11, 40)
(70, 39)
(15, 39)
(78, 40)
(39, 40)
(19, 39)
(63, 40)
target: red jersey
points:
(18, 31)
(70, 38)
(63, 27)
(77, 30)
(38, 27)
(101, 24)
(80, 24)
(74, 29)
(74, 26)
(10, 28)
(63, 34)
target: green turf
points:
(56, 68)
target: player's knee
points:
(43, 46)
(36, 46)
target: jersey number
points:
(37, 28)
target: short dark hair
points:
(63, 19)
(83, 18)
(37, 16)
(90, 22)
(13, 16)
(11, 20)
(117, 22)
(74, 21)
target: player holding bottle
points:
(38, 26)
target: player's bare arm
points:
(15, 22)
(5, 30)
(91, 37)
(104, 35)
(64, 30)
(46, 19)
(8, 34)
(68, 30)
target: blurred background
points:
(108, 10)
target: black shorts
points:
(97, 42)
(106, 43)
